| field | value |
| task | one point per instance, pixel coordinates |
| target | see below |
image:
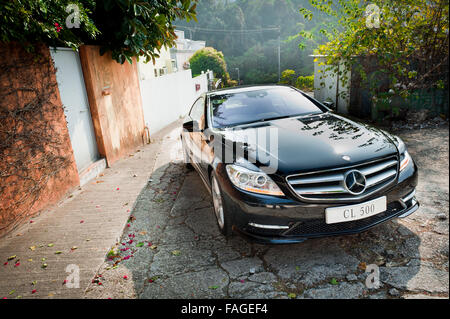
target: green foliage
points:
(127, 28)
(31, 21)
(305, 83)
(210, 59)
(255, 53)
(139, 28)
(409, 44)
(288, 77)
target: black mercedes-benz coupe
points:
(282, 167)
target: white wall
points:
(328, 91)
(167, 98)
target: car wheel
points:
(222, 216)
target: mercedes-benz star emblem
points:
(355, 182)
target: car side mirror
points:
(191, 126)
(329, 105)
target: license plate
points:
(354, 212)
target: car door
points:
(196, 115)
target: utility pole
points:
(239, 78)
(279, 54)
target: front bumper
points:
(301, 221)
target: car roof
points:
(245, 88)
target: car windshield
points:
(231, 109)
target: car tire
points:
(223, 217)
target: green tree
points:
(127, 28)
(31, 21)
(288, 77)
(408, 39)
(139, 28)
(210, 59)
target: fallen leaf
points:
(292, 295)
(143, 233)
(50, 245)
(12, 257)
(43, 259)
(74, 248)
(213, 287)
(44, 266)
(333, 281)
(12, 291)
(362, 266)
(176, 252)
(33, 248)
(140, 244)
(153, 247)
(34, 283)
(58, 252)
(30, 259)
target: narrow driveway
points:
(171, 247)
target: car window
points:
(197, 109)
(229, 109)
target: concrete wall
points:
(37, 166)
(115, 102)
(329, 90)
(167, 98)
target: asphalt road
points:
(171, 247)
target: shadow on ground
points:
(173, 249)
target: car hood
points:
(311, 143)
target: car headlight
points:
(405, 160)
(252, 181)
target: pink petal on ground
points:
(81, 221)
(125, 277)
(33, 291)
(17, 264)
(5, 263)
(31, 221)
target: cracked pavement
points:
(171, 246)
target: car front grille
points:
(318, 227)
(329, 185)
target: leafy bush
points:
(31, 21)
(210, 59)
(305, 83)
(127, 28)
(288, 77)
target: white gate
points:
(76, 106)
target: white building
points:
(184, 49)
